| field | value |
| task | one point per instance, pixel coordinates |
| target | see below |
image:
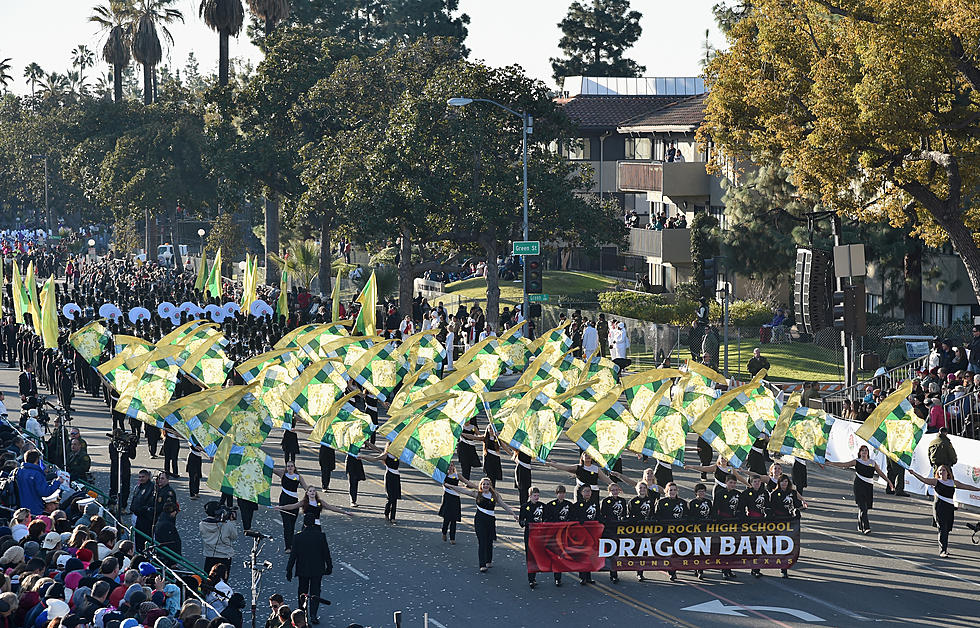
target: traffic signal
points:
(710, 275)
(838, 310)
(535, 310)
(532, 277)
(855, 310)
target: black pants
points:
(248, 512)
(226, 500)
(309, 588)
(353, 490)
(390, 506)
(896, 475)
(120, 476)
(144, 525)
(449, 527)
(171, 450)
(211, 561)
(152, 438)
(325, 479)
(194, 482)
(118, 420)
(288, 456)
(484, 535)
(288, 528)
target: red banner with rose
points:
(661, 545)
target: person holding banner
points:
(671, 507)
(726, 505)
(613, 509)
(641, 508)
(785, 503)
(753, 503)
(485, 520)
(945, 507)
(558, 510)
(532, 511)
(865, 470)
(585, 509)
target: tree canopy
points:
(595, 38)
(873, 104)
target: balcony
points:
(671, 246)
(673, 180)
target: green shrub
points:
(749, 313)
(688, 291)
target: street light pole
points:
(47, 207)
(527, 128)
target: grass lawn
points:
(555, 283)
(791, 361)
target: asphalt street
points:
(892, 577)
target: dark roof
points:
(688, 111)
(600, 113)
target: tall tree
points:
(150, 19)
(54, 86)
(114, 21)
(226, 18)
(875, 110)
(595, 39)
(272, 12)
(82, 57)
(34, 75)
(5, 76)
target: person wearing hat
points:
(218, 536)
(52, 541)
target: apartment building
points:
(638, 135)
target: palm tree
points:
(271, 11)
(82, 57)
(34, 75)
(73, 81)
(302, 262)
(103, 86)
(5, 76)
(114, 20)
(150, 18)
(226, 18)
(54, 86)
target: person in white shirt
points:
(619, 343)
(450, 348)
(407, 327)
(590, 340)
(32, 426)
(486, 333)
(3, 406)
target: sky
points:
(501, 32)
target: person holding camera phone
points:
(218, 535)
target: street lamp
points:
(527, 128)
(200, 233)
(91, 247)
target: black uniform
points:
(864, 495)
(584, 511)
(142, 507)
(944, 510)
(485, 523)
(522, 476)
(451, 509)
(171, 453)
(699, 508)
(354, 468)
(310, 559)
(785, 504)
(121, 452)
(756, 460)
(393, 486)
(328, 462)
(754, 503)
(641, 509)
(290, 445)
(491, 458)
(288, 495)
(531, 512)
(194, 470)
(588, 476)
(468, 459)
(726, 503)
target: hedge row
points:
(665, 310)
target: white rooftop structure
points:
(627, 86)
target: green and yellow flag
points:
(90, 342)
(604, 431)
(20, 295)
(893, 429)
(801, 432)
(728, 425)
(282, 304)
(49, 315)
(335, 299)
(425, 435)
(214, 277)
(33, 305)
(202, 272)
(366, 323)
(343, 428)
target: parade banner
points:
(663, 545)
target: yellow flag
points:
(335, 300)
(366, 321)
(20, 295)
(49, 315)
(33, 306)
(202, 272)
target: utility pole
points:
(47, 207)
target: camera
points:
(220, 512)
(122, 441)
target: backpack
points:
(9, 493)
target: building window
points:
(936, 313)
(718, 212)
(872, 302)
(639, 148)
(578, 149)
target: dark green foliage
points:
(596, 36)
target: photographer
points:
(218, 535)
(122, 449)
(58, 444)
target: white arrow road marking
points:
(813, 598)
(355, 571)
(718, 607)
(435, 623)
